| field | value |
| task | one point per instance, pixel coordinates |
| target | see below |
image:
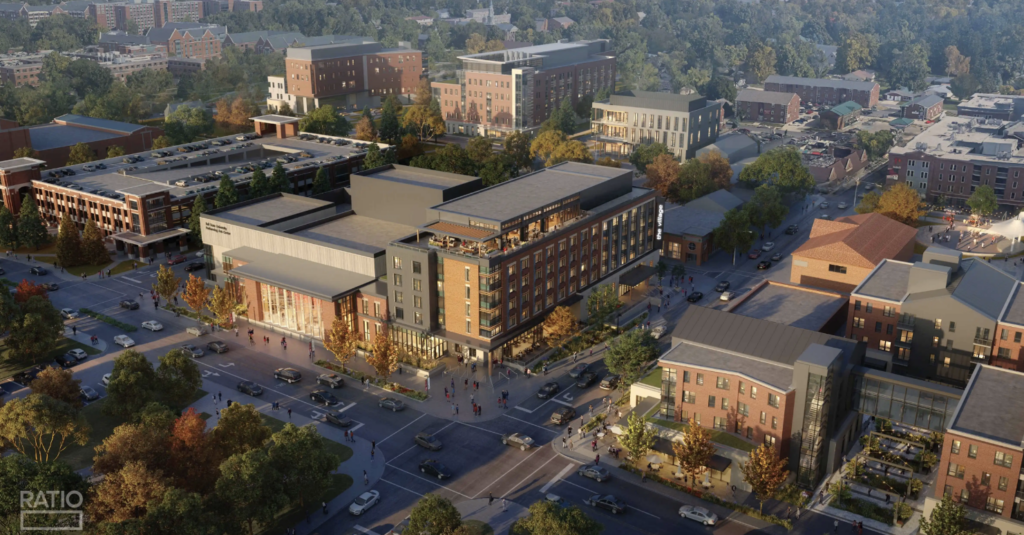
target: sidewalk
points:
(493, 515)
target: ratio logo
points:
(53, 510)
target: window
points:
(742, 408)
(884, 345)
(856, 305)
(467, 274)
(1003, 481)
(1003, 459)
(1016, 337)
(686, 376)
(417, 301)
(878, 326)
(952, 326)
(994, 505)
(469, 326)
(938, 324)
(722, 383)
(965, 495)
(399, 313)
(398, 263)
(700, 378)
(398, 297)
(1004, 335)
(869, 307)
(888, 312)
(955, 449)
(837, 269)
(720, 423)
(743, 388)
(416, 286)
(689, 397)
(418, 318)
(416, 267)
(955, 470)
(398, 280)
(764, 417)
(947, 492)
(775, 423)
(773, 400)
(935, 341)
(858, 323)
(768, 440)
(725, 404)
(972, 451)
(711, 401)
(753, 392)
(986, 478)
(468, 292)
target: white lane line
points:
(131, 279)
(528, 411)
(509, 471)
(346, 407)
(558, 477)
(517, 485)
(481, 429)
(400, 430)
(361, 529)
(560, 402)
(417, 445)
(417, 476)
(555, 431)
(630, 506)
(353, 430)
(401, 487)
(315, 406)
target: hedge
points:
(390, 387)
(108, 320)
(198, 317)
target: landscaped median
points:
(386, 385)
(108, 320)
(191, 314)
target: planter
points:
(420, 372)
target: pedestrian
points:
(220, 395)
(504, 505)
(490, 499)
(472, 399)
(215, 400)
(352, 435)
(835, 526)
(74, 330)
(373, 444)
(563, 443)
(788, 510)
(289, 414)
(798, 513)
(366, 479)
(324, 505)
(572, 445)
(591, 409)
(218, 413)
(479, 410)
(465, 385)
(569, 431)
(456, 409)
(643, 477)
(597, 460)
(372, 452)
(346, 435)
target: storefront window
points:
(293, 311)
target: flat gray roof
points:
(890, 280)
(271, 209)
(275, 119)
(424, 178)
(767, 97)
(778, 375)
(302, 276)
(797, 307)
(991, 406)
(19, 163)
(820, 82)
(51, 136)
(357, 232)
(530, 192)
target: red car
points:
(755, 254)
(176, 260)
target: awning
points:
(637, 275)
(138, 239)
(302, 276)
(719, 463)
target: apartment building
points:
(992, 106)
(497, 93)
(684, 123)
(144, 15)
(349, 75)
(956, 155)
(21, 69)
(825, 91)
(53, 141)
(926, 107)
(212, 7)
(768, 106)
(189, 39)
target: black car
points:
(27, 376)
(563, 415)
(66, 361)
(608, 503)
(610, 382)
(250, 388)
(38, 271)
(323, 396)
(51, 286)
(694, 297)
(548, 390)
(217, 347)
(337, 418)
(578, 370)
(792, 229)
(194, 266)
(331, 380)
(722, 286)
(129, 304)
(764, 264)
(586, 379)
(289, 375)
(435, 468)
(428, 441)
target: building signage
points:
(661, 220)
(218, 228)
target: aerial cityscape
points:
(481, 267)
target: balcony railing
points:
(987, 342)
(906, 322)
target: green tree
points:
(162, 142)
(41, 427)
(546, 518)
(906, 65)
(733, 233)
(374, 158)
(69, 243)
(8, 229)
(301, 457)
(118, 103)
(179, 377)
(983, 201)
(855, 52)
(179, 512)
(226, 193)
(765, 208)
(877, 144)
(947, 518)
(692, 181)
(868, 203)
(325, 121)
(186, 124)
(258, 185)
(638, 438)
(132, 385)
(721, 87)
(517, 147)
(114, 151)
(760, 61)
(26, 152)
(562, 119)
(479, 148)
(781, 167)
(94, 252)
(80, 153)
(584, 106)
(279, 182)
(434, 515)
(694, 452)
(167, 283)
(496, 169)
(195, 227)
(570, 151)
(321, 182)
(19, 473)
(36, 329)
(251, 489)
(629, 354)
(964, 85)
(901, 203)
(390, 123)
(240, 430)
(765, 472)
(601, 302)
(645, 154)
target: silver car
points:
(595, 472)
(698, 514)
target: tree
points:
(31, 231)
(240, 430)
(434, 515)
(114, 151)
(69, 243)
(179, 377)
(760, 61)
(907, 65)
(374, 158)
(8, 229)
(877, 144)
(36, 330)
(855, 51)
(645, 154)
(366, 130)
(196, 294)
(179, 513)
(694, 453)
(186, 124)
(195, 223)
(947, 518)
(721, 87)
(124, 495)
(719, 169)
(80, 153)
(765, 207)
(193, 459)
(304, 462)
(279, 182)
(10, 312)
(479, 148)
(956, 63)
(252, 490)
(638, 438)
(384, 353)
(517, 147)
(325, 121)
(226, 193)
(547, 518)
(570, 151)
(475, 43)
(19, 473)
(162, 142)
(602, 301)
(41, 427)
(321, 182)
(562, 119)
(546, 143)
(781, 167)
(983, 201)
(559, 325)
(222, 304)
(629, 355)
(258, 185)
(286, 110)
(584, 106)
(868, 203)
(496, 169)
(964, 85)
(340, 340)
(608, 161)
(132, 385)
(694, 181)
(94, 252)
(59, 384)
(901, 203)
(26, 289)
(25, 152)
(733, 233)
(765, 472)
(390, 125)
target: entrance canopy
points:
(301, 276)
(637, 275)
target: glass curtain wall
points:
(291, 310)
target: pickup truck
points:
(196, 331)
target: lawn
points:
(11, 364)
(720, 437)
(653, 378)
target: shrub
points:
(594, 422)
(108, 320)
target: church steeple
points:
(490, 14)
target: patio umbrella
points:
(654, 458)
(615, 429)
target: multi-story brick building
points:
(627, 120)
(145, 15)
(689, 228)
(21, 71)
(768, 106)
(956, 155)
(825, 91)
(349, 75)
(189, 39)
(497, 93)
(926, 107)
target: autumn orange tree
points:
(196, 294)
(695, 451)
(340, 340)
(765, 473)
(193, 456)
(26, 289)
(222, 304)
(560, 324)
(662, 174)
(384, 357)
(721, 170)
(59, 384)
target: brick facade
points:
(1008, 347)
(769, 112)
(977, 473)
(874, 322)
(824, 92)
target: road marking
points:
(228, 365)
(400, 430)
(418, 476)
(629, 506)
(558, 477)
(346, 407)
(316, 415)
(481, 429)
(528, 411)
(401, 487)
(353, 430)
(535, 425)
(517, 485)
(315, 406)
(208, 373)
(133, 280)
(416, 445)
(361, 529)
(560, 402)
(509, 471)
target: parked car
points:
(434, 468)
(826, 217)
(843, 206)
(194, 266)
(595, 472)
(694, 297)
(176, 259)
(124, 340)
(129, 304)
(66, 361)
(68, 313)
(391, 403)
(106, 379)
(250, 388)
(517, 440)
(192, 351)
(196, 330)
(823, 205)
(426, 440)
(657, 332)
(563, 415)
(768, 246)
(78, 354)
(792, 229)
(331, 380)
(610, 382)
(754, 255)
(337, 418)
(324, 397)
(364, 502)
(51, 286)
(608, 503)
(578, 369)
(777, 257)
(548, 390)
(722, 286)
(726, 296)
(289, 375)
(586, 379)
(88, 394)
(153, 325)
(38, 271)
(698, 514)
(217, 347)
(764, 264)
(869, 186)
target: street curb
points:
(315, 365)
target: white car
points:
(768, 246)
(153, 325)
(364, 502)
(68, 313)
(699, 514)
(823, 205)
(726, 296)
(843, 205)
(106, 379)
(657, 332)
(78, 354)
(124, 340)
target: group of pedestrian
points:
(350, 436)
(503, 400)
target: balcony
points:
(906, 323)
(987, 342)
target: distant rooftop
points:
(658, 101)
(846, 108)
(52, 136)
(991, 396)
(766, 97)
(302, 276)
(820, 82)
(788, 304)
(889, 280)
(967, 139)
(280, 206)
(1015, 310)
(428, 178)
(356, 232)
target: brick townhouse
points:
(768, 106)
(825, 91)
